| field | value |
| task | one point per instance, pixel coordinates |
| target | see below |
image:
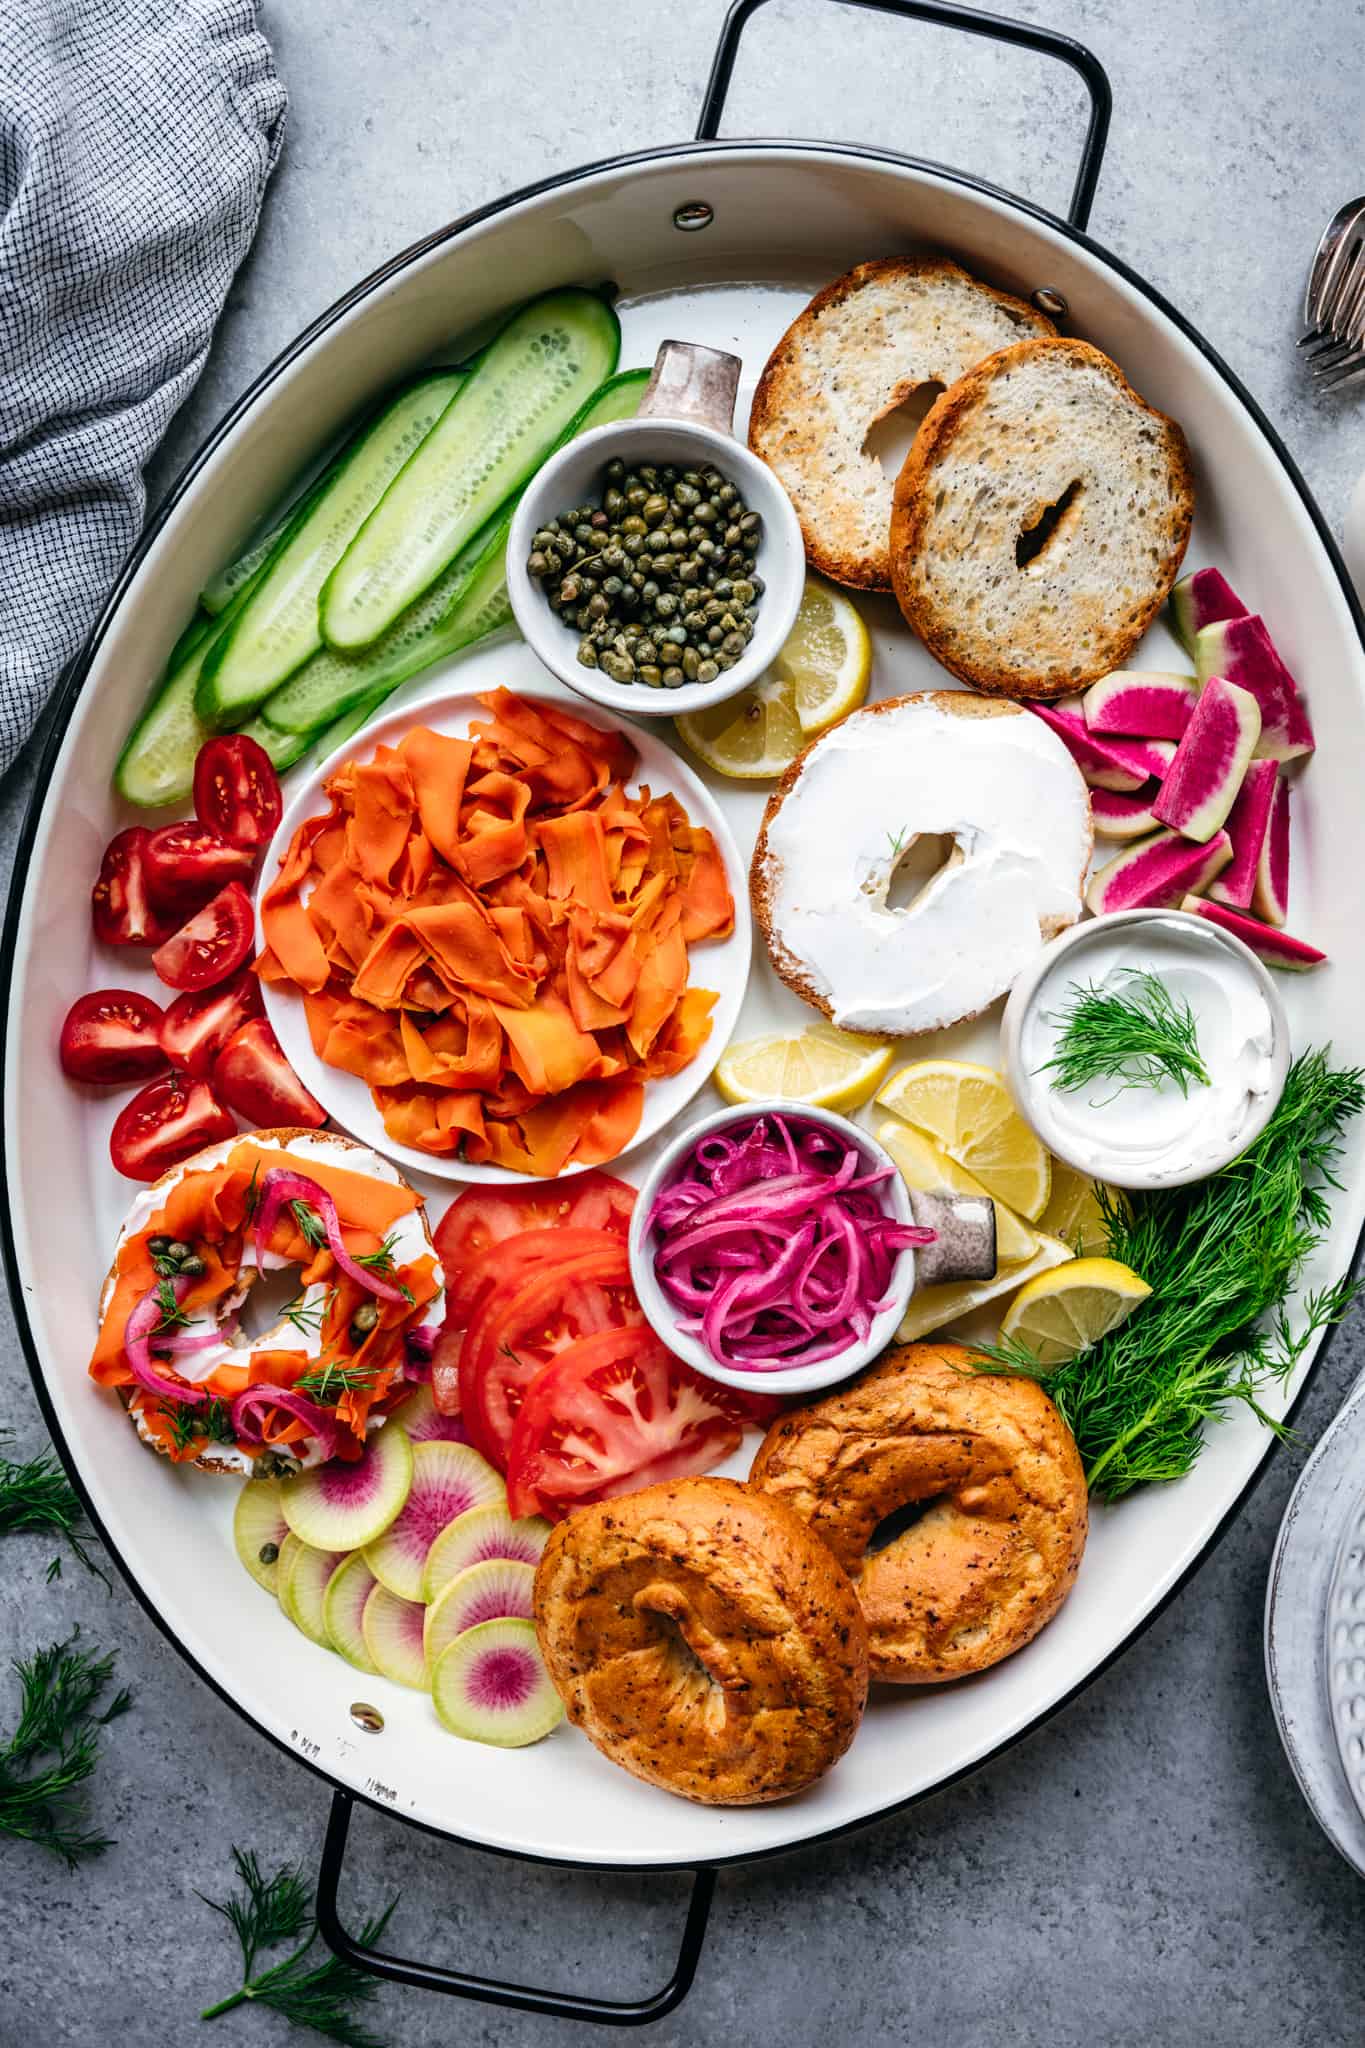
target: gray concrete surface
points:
(1141, 1871)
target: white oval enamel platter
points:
(787, 219)
(722, 965)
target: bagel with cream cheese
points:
(982, 776)
(997, 1472)
(703, 1639)
(346, 1333)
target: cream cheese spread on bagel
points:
(1003, 796)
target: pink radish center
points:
(430, 1509)
(513, 1549)
(438, 1428)
(349, 1486)
(503, 1678)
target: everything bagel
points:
(704, 1640)
(998, 1546)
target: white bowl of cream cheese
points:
(1137, 1135)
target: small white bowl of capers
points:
(655, 565)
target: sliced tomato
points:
(237, 791)
(198, 1024)
(212, 944)
(483, 1217)
(165, 1122)
(252, 1076)
(759, 1409)
(120, 907)
(518, 1328)
(445, 1370)
(504, 1266)
(111, 1035)
(187, 863)
(612, 1413)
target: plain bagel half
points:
(1040, 520)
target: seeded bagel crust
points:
(704, 1639)
(862, 347)
(998, 450)
(998, 1547)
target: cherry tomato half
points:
(212, 944)
(483, 1217)
(165, 1122)
(187, 863)
(112, 1035)
(237, 791)
(120, 906)
(252, 1076)
(613, 1412)
(199, 1024)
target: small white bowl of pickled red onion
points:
(729, 1276)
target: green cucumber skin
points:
(278, 631)
(452, 485)
(156, 767)
(464, 605)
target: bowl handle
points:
(561, 2005)
(973, 22)
(692, 382)
(964, 1242)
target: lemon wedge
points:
(969, 1110)
(1073, 1211)
(933, 1308)
(926, 1166)
(820, 675)
(826, 1068)
(1059, 1314)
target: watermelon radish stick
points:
(1204, 598)
(1106, 763)
(1203, 780)
(1151, 707)
(1118, 816)
(1270, 896)
(1153, 874)
(280, 1186)
(1247, 823)
(1242, 652)
(1276, 948)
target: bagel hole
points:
(896, 1523)
(889, 438)
(921, 863)
(267, 1298)
(1035, 538)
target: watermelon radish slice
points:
(1106, 763)
(392, 1629)
(1118, 816)
(1153, 874)
(1152, 707)
(491, 1685)
(343, 1609)
(1203, 780)
(425, 1423)
(1242, 652)
(258, 1530)
(1247, 822)
(447, 1480)
(302, 1588)
(1276, 948)
(474, 1538)
(341, 1506)
(1270, 896)
(1204, 598)
(496, 1590)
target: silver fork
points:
(1334, 303)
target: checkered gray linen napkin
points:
(136, 138)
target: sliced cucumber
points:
(521, 394)
(156, 767)
(277, 630)
(218, 593)
(194, 635)
(467, 602)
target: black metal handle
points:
(560, 2005)
(974, 23)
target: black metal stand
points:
(972, 22)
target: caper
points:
(179, 1251)
(193, 1267)
(649, 474)
(363, 1321)
(705, 514)
(634, 544)
(616, 469)
(554, 562)
(759, 586)
(674, 678)
(614, 559)
(158, 1246)
(723, 587)
(665, 604)
(649, 590)
(732, 536)
(654, 509)
(688, 572)
(687, 495)
(714, 636)
(614, 504)
(733, 643)
(612, 586)
(536, 562)
(598, 606)
(633, 523)
(649, 672)
(676, 635)
(743, 591)
(268, 1553)
(727, 494)
(677, 538)
(587, 654)
(707, 672)
(749, 522)
(691, 662)
(694, 621)
(657, 542)
(635, 493)
(619, 667)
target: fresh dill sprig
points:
(896, 841)
(55, 1748)
(251, 1199)
(1221, 1257)
(211, 1419)
(36, 1496)
(306, 1316)
(381, 1263)
(311, 1226)
(327, 1383)
(173, 1317)
(1138, 1036)
(270, 1910)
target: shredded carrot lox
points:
(494, 936)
